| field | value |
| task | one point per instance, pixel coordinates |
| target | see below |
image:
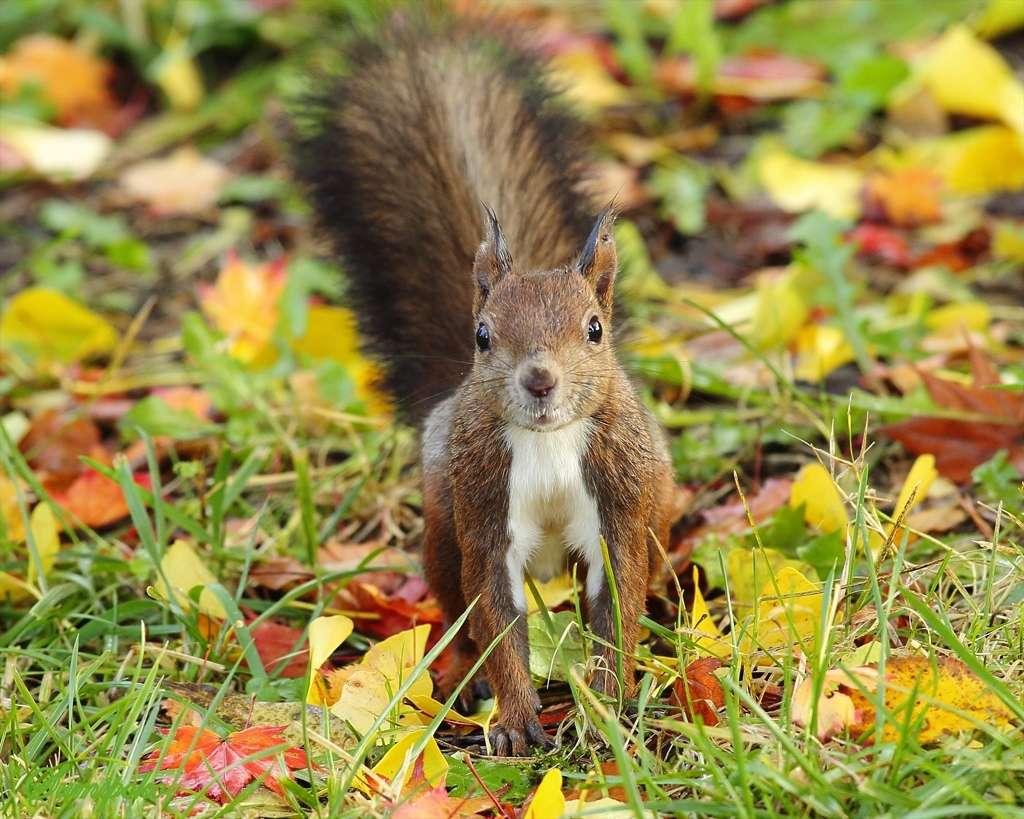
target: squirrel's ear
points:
(598, 262)
(492, 259)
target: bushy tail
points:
(431, 122)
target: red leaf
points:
(883, 242)
(223, 767)
(277, 644)
(53, 444)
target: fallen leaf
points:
(1000, 17)
(758, 77)
(908, 197)
(243, 304)
(914, 490)
(429, 769)
(711, 641)
(59, 154)
(779, 311)
(381, 615)
(10, 509)
(824, 508)
(43, 526)
(698, 691)
(796, 185)
(283, 649)
(586, 80)
(177, 74)
(786, 619)
(325, 635)
(968, 76)
(731, 518)
(883, 243)
(46, 327)
(936, 697)
(221, 767)
(820, 350)
(986, 159)
(184, 183)
(191, 399)
(547, 802)
(54, 445)
(959, 447)
(76, 83)
(96, 500)
(181, 570)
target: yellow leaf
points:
(556, 591)
(178, 76)
(918, 482)
(1008, 242)
(10, 510)
(586, 80)
(820, 350)
(711, 641)
(184, 570)
(942, 695)
(364, 697)
(750, 569)
(243, 304)
(787, 616)
(47, 542)
(325, 635)
(408, 647)
(981, 160)
(331, 333)
(430, 707)
(1000, 17)
(969, 315)
(15, 587)
(780, 311)
(548, 800)
(50, 327)
(796, 185)
(968, 76)
(435, 766)
(815, 487)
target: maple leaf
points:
(221, 767)
(959, 447)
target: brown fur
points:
(428, 126)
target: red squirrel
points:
(453, 182)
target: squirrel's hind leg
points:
(442, 563)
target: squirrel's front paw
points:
(513, 737)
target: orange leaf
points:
(223, 767)
(96, 500)
(75, 82)
(908, 197)
(53, 445)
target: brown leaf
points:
(53, 444)
(380, 615)
(698, 692)
(908, 198)
(960, 446)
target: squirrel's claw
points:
(511, 741)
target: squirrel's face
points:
(543, 349)
(543, 346)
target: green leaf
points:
(551, 650)
(824, 553)
(155, 417)
(683, 188)
(495, 775)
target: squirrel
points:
(452, 180)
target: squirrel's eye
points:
(483, 338)
(594, 331)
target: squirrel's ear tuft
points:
(598, 262)
(492, 259)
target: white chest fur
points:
(550, 510)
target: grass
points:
(279, 474)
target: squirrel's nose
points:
(539, 382)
